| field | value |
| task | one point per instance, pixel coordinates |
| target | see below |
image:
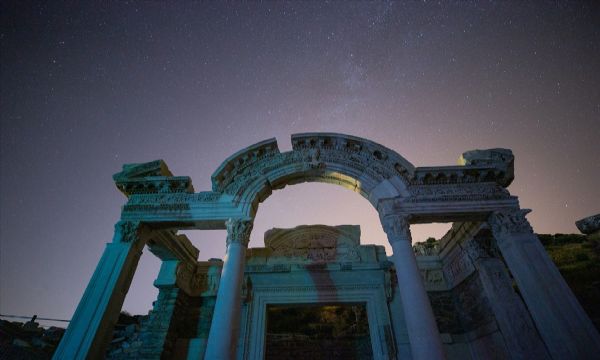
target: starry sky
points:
(85, 89)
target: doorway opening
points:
(318, 331)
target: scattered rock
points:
(589, 225)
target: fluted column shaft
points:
(425, 341)
(224, 329)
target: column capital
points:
(238, 231)
(507, 222)
(127, 231)
(397, 227)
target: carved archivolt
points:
(315, 156)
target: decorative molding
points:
(314, 244)
(151, 177)
(154, 185)
(457, 192)
(155, 202)
(457, 267)
(315, 151)
(238, 231)
(292, 289)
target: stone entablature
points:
(376, 172)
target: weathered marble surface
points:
(589, 225)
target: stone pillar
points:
(224, 329)
(565, 328)
(519, 332)
(91, 327)
(423, 333)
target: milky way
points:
(84, 90)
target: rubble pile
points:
(24, 341)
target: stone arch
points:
(361, 165)
(160, 203)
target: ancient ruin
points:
(487, 289)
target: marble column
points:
(565, 328)
(423, 333)
(91, 327)
(224, 329)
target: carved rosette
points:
(508, 222)
(127, 232)
(396, 227)
(238, 231)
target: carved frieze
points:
(457, 267)
(149, 178)
(457, 192)
(314, 244)
(168, 201)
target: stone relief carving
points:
(127, 231)
(198, 279)
(151, 177)
(507, 222)
(315, 243)
(168, 202)
(238, 231)
(396, 227)
(502, 159)
(457, 267)
(449, 192)
(481, 246)
(423, 249)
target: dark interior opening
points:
(318, 331)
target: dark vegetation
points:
(578, 260)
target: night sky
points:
(86, 89)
